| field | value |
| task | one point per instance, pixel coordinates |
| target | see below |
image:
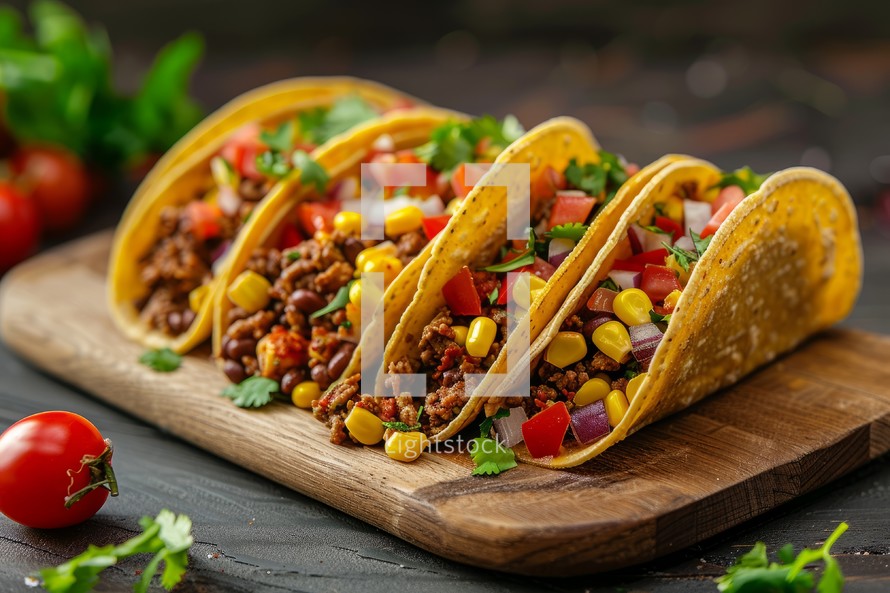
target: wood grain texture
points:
(806, 420)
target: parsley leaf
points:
(701, 245)
(754, 572)
(310, 171)
(745, 178)
(656, 318)
(485, 427)
(282, 139)
(253, 392)
(684, 258)
(570, 230)
(402, 427)
(162, 361)
(273, 164)
(610, 284)
(491, 457)
(338, 302)
(167, 536)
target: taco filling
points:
(297, 311)
(594, 366)
(194, 237)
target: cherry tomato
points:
(48, 460)
(57, 182)
(19, 226)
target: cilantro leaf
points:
(570, 230)
(657, 230)
(282, 139)
(493, 297)
(448, 147)
(656, 318)
(590, 178)
(311, 173)
(491, 457)
(338, 302)
(610, 284)
(526, 259)
(292, 256)
(485, 427)
(253, 392)
(402, 427)
(162, 361)
(701, 245)
(745, 178)
(168, 537)
(684, 258)
(273, 164)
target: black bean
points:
(235, 349)
(319, 374)
(234, 371)
(291, 379)
(306, 300)
(351, 248)
(339, 361)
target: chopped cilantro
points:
(570, 230)
(320, 125)
(745, 178)
(485, 427)
(402, 427)
(610, 284)
(292, 256)
(311, 173)
(659, 208)
(338, 302)
(656, 318)
(657, 230)
(683, 257)
(253, 392)
(701, 245)
(455, 142)
(273, 164)
(282, 139)
(632, 369)
(526, 259)
(346, 324)
(493, 297)
(162, 361)
(596, 178)
(490, 457)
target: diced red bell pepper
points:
(317, 216)
(601, 300)
(460, 294)
(570, 208)
(669, 226)
(204, 219)
(433, 225)
(290, 237)
(658, 282)
(544, 432)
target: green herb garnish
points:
(282, 139)
(701, 245)
(273, 164)
(163, 360)
(657, 230)
(684, 258)
(656, 318)
(253, 392)
(610, 284)
(338, 302)
(570, 230)
(485, 427)
(293, 256)
(753, 572)
(346, 324)
(493, 297)
(311, 173)
(526, 259)
(745, 178)
(320, 125)
(167, 536)
(402, 427)
(490, 457)
(595, 178)
(455, 143)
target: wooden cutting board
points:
(794, 426)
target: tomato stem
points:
(101, 475)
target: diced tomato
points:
(658, 282)
(290, 237)
(248, 162)
(628, 265)
(433, 225)
(638, 262)
(460, 294)
(204, 219)
(407, 156)
(547, 183)
(505, 289)
(729, 198)
(601, 300)
(458, 183)
(543, 269)
(662, 310)
(544, 432)
(731, 194)
(570, 208)
(317, 216)
(242, 148)
(669, 226)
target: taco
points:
(458, 321)
(177, 229)
(707, 277)
(289, 305)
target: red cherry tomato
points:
(19, 226)
(47, 458)
(57, 182)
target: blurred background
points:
(757, 82)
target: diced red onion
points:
(626, 279)
(696, 215)
(228, 200)
(646, 240)
(685, 242)
(601, 300)
(559, 250)
(591, 324)
(645, 339)
(590, 422)
(509, 429)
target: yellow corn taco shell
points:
(786, 264)
(185, 173)
(474, 236)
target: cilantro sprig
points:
(402, 427)
(311, 173)
(485, 426)
(610, 284)
(745, 178)
(253, 392)
(454, 143)
(321, 124)
(282, 139)
(338, 302)
(595, 178)
(490, 457)
(526, 258)
(754, 572)
(570, 230)
(686, 258)
(168, 537)
(163, 360)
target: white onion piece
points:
(384, 143)
(508, 429)
(645, 339)
(647, 239)
(685, 242)
(228, 200)
(558, 250)
(696, 215)
(626, 279)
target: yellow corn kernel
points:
(223, 173)
(565, 349)
(593, 390)
(673, 208)
(453, 206)
(304, 393)
(460, 334)
(612, 340)
(526, 289)
(670, 301)
(355, 293)
(616, 407)
(406, 446)
(364, 426)
(633, 386)
(682, 274)
(250, 291)
(632, 306)
(480, 336)
(375, 252)
(403, 220)
(198, 296)
(390, 265)
(348, 223)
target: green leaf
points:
(162, 361)
(345, 114)
(656, 318)
(282, 139)
(701, 245)
(493, 297)
(402, 427)
(448, 147)
(273, 164)
(590, 178)
(570, 230)
(657, 230)
(490, 457)
(610, 284)
(311, 173)
(684, 258)
(253, 392)
(526, 259)
(292, 256)
(745, 178)
(338, 302)
(485, 427)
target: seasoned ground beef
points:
(409, 245)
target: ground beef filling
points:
(304, 279)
